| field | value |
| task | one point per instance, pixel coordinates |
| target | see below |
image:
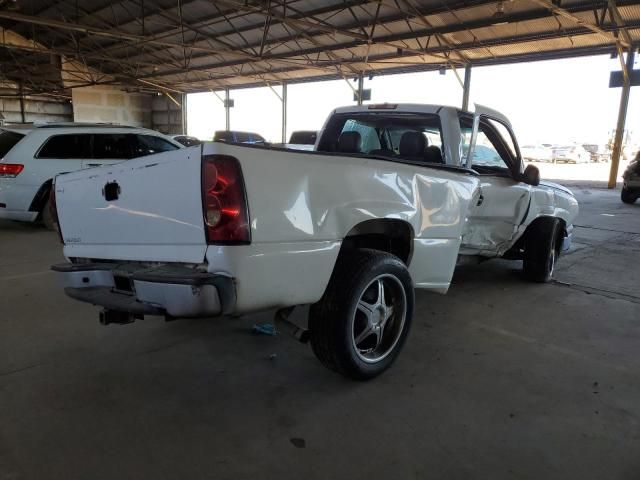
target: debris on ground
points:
(264, 329)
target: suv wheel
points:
(627, 196)
(46, 216)
(360, 325)
(541, 250)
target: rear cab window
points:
(8, 140)
(415, 137)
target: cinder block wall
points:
(108, 104)
(36, 109)
(167, 117)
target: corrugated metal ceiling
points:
(187, 46)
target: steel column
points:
(227, 109)
(466, 87)
(183, 119)
(22, 115)
(622, 117)
(284, 112)
(360, 87)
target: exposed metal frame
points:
(163, 49)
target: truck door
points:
(501, 208)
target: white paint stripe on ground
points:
(25, 275)
(551, 347)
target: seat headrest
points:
(433, 154)
(349, 142)
(412, 144)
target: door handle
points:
(480, 200)
(94, 164)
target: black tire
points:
(333, 320)
(47, 217)
(541, 249)
(628, 196)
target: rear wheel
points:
(360, 325)
(627, 196)
(541, 249)
(46, 215)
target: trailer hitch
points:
(108, 317)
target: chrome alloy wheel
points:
(379, 318)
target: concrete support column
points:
(227, 109)
(622, 118)
(284, 112)
(360, 87)
(466, 87)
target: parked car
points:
(303, 137)
(230, 136)
(537, 153)
(631, 186)
(599, 153)
(570, 154)
(31, 155)
(186, 140)
(386, 204)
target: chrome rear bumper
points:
(175, 291)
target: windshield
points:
(8, 140)
(415, 137)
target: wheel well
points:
(517, 250)
(40, 200)
(387, 235)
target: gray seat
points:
(412, 145)
(349, 142)
(433, 154)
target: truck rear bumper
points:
(175, 291)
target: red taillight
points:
(224, 201)
(53, 211)
(10, 170)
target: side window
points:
(113, 145)
(368, 135)
(8, 140)
(489, 150)
(486, 152)
(67, 146)
(506, 138)
(149, 144)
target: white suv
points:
(31, 155)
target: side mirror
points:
(531, 175)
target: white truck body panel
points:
(157, 217)
(302, 205)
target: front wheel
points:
(628, 196)
(360, 325)
(541, 249)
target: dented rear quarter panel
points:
(302, 205)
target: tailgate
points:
(146, 209)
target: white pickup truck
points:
(389, 200)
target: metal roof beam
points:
(418, 34)
(562, 12)
(466, 46)
(453, 28)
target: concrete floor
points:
(499, 379)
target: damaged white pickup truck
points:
(387, 202)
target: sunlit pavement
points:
(584, 173)
(500, 379)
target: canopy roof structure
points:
(187, 46)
